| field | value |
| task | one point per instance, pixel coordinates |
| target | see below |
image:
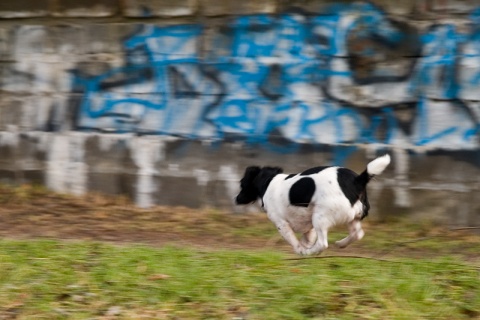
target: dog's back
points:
(295, 197)
(338, 191)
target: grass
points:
(98, 257)
(48, 279)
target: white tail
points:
(376, 167)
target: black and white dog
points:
(311, 202)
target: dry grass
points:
(33, 212)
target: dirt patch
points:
(32, 212)
(29, 212)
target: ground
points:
(180, 263)
(33, 212)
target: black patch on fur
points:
(366, 204)
(313, 171)
(346, 180)
(264, 178)
(363, 178)
(290, 176)
(248, 192)
(354, 187)
(301, 192)
(255, 182)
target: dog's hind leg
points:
(308, 238)
(356, 233)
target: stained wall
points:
(167, 102)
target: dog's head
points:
(255, 182)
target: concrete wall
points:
(167, 101)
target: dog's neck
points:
(263, 183)
(262, 189)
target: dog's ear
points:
(264, 177)
(249, 175)
(252, 170)
(268, 171)
(248, 192)
(277, 170)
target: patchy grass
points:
(29, 211)
(47, 279)
(65, 257)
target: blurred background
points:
(168, 101)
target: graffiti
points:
(351, 75)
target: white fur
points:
(377, 166)
(328, 207)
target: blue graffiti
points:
(438, 63)
(296, 78)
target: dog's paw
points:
(316, 250)
(340, 244)
(310, 252)
(300, 250)
(306, 244)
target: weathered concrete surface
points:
(167, 102)
(156, 170)
(24, 8)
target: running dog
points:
(311, 202)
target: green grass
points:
(47, 279)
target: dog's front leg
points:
(309, 238)
(287, 233)
(321, 225)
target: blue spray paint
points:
(271, 76)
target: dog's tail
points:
(374, 168)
